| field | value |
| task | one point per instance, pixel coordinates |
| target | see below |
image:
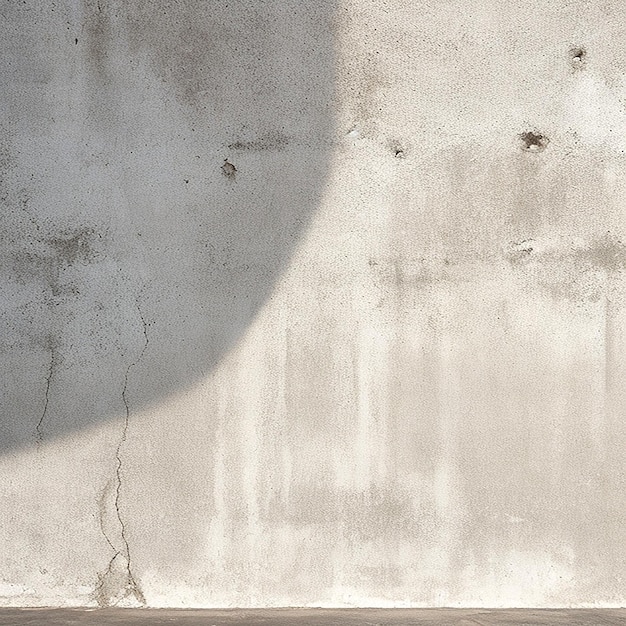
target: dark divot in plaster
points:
(578, 57)
(397, 148)
(229, 170)
(533, 141)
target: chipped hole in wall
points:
(520, 250)
(578, 55)
(397, 148)
(229, 170)
(533, 141)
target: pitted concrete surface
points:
(313, 617)
(312, 303)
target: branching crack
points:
(40, 424)
(131, 588)
(101, 594)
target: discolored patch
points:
(45, 258)
(570, 270)
(274, 140)
(373, 514)
(72, 246)
(412, 271)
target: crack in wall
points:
(103, 597)
(40, 423)
(106, 593)
(102, 511)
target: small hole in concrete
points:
(577, 57)
(533, 142)
(229, 170)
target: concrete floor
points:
(313, 617)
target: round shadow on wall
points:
(159, 162)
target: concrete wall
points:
(312, 303)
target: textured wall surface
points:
(312, 303)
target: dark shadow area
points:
(159, 161)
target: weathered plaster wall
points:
(312, 303)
